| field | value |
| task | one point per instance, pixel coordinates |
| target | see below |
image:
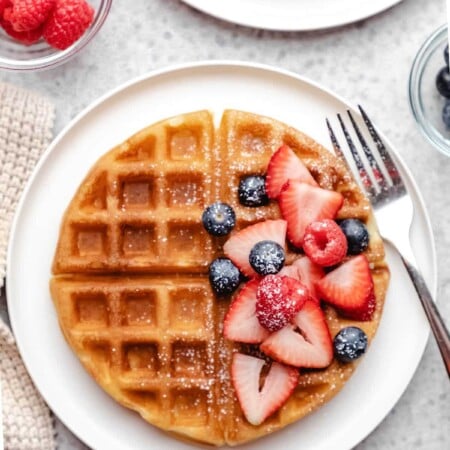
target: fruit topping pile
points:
(60, 22)
(279, 306)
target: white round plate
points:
(292, 15)
(382, 375)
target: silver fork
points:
(393, 209)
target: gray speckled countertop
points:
(368, 62)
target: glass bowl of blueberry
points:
(46, 33)
(429, 90)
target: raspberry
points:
(26, 15)
(25, 37)
(325, 243)
(3, 5)
(67, 22)
(278, 299)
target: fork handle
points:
(437, 324)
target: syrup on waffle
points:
(130, 273)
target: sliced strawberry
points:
(240, 323)
(290, 271)
(285, 165)
(363, 313)
(350, 289)
(259, 403)
(309, 274)
(304, 270)
(300, 204)
(306, 343)
(278, 300)
(238, 246)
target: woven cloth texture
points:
(26, 122)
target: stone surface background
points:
(367, 62)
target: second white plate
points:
(292, 15)
(382, 375)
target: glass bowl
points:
(17, 56)
(426, 102)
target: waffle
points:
(130, 272)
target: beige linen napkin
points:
(26, 122)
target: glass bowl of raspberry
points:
(40, 34)
(429, 90)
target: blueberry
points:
(252, 191)
(219, 219)
(446, 114)
(443, 82)
(446, 55)
(357, 235)
(224, 276)
(350, 344)
(267, 257)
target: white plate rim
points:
(182, 67)
(288, 22)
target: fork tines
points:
(382, 150)
(377, 171)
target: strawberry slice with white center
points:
(304, 270)
(305, 343)
(259, 403)
(349, 288)
(240, 323)
(290, 271)
(309, 273)
(300, 204)
(285, 165)
(239, 245)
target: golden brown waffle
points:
(130, 280)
